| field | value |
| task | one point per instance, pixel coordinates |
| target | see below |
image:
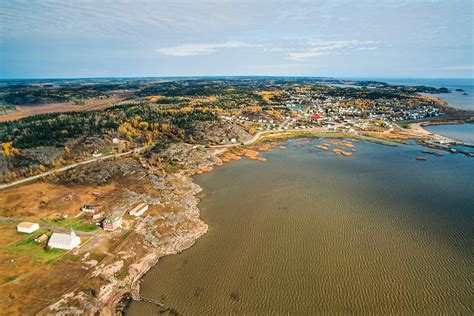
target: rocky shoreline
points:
(179, 192)
(118, 300)
(152, 237)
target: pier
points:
(151, 301)
(450, 146)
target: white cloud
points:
(199, 49)
(276, 49)
(302, 50)
(320, 48)
(458, 68)
(288, 65)
(314, 52)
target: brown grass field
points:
(29, 110)
(42, 200)
(32, 277)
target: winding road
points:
(137, 150)
(85, 162)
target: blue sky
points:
(364, 38)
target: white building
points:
(139, 209)
(27, 227)
(64, 241)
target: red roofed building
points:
(317, 117)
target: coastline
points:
(249, 237)
(227, 155)
(113, 296)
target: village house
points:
(139, 209)
(41, 238)
(91, 208)
(98, 215)
(27, 227)
(64, 241)
(112, 222)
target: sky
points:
(336, 38)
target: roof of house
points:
(58, 238)
(26, 225)
(113, 217)
(42, 237)
(139, 207)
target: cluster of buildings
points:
(356, 118)
(57, 240)
(351, 110)
(358, 112)
(114, 220)
(263, 123)
(70, 240)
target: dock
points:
(151, 301)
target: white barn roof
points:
(65, 241)
(27, 225)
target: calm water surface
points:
(458, 99)
(309, 232)
(460, 132)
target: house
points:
(91, 208)
(112, 222)
(139, 209)
(27, 227)
(98, 215)
(64, 241)
(41, 238)
(115, 140)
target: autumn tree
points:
(8, 150)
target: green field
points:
(29, 247)
(75, 224)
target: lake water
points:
(460, 132)
(308, 232)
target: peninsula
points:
(111, 163)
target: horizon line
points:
(225, 76)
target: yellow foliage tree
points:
(143, 125)
(135, 123)
(8, 150)
(165, 128)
